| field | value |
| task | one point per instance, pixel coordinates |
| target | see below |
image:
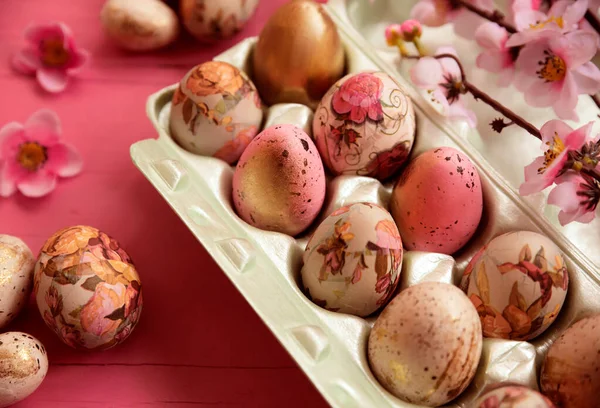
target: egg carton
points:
(265, 266)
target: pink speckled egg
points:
(512, 396)
(437, 202)
(215, 111)
(570, 374)
(423, 351)
(518, 283)
(279, 182)
(365, 125)
(353, 260)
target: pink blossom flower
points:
(411, 29)
(393, 34)
(435, 13)
(577, 198)
(442, 79)
(497, 57)
(358, 97)
(51, 54)
(33, 155)
(558, 139)
(555, 71)
(533, 25)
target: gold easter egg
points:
(298, 56)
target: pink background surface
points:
(198, 342)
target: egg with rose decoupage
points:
(215, 111)
(16, 277)
(87, 289)
(353, 259)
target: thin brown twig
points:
(595, 99)
(494, 16)
(593, 20)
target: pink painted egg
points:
(570, 374)
(216, 111)
(279, 182)
(512, 396)
(16, 277)
(365, 125)
(353, 260)
(422, 350)
(87, 289)
(518, 283)
(437, 202)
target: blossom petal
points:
(10, 142)
(565, 104)
(554, 127)
(427, 73)
(492, 61)
(35, 33)
(63, 160)
(26, 61)
(565, 196)
(426, 13)
(79, 58)
(449, 65)
(541, 94)
(575, 48)
(491, 35)
(534, 182)
(530, 57)
(578, 137)
(573, 13)
(37, 184)
(506, 77)
(581, 216)
(526, 18)
(587, 78)
(52, 80)
(466, 23)
(7, 183)
(43, 127)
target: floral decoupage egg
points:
(23, 366)
(216, 111)
(365, 125)
(518, 283)
(87, 289)
(16, 276)
(210, 20)
(353, 260)
(512, 396)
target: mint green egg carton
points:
(265, 266)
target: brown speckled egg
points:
(570, 374)
(23, 366)
(213, 20)
(16, 277)
(215, 111)
(422, 350)
(512, 396)
(365, 125)
(279, 182)
(518, 283)
(437, 202)
(353, 259)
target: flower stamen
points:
(53, 52)
(555, 148)
(553, 68)
(32, 155)
(541, 24)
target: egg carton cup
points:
(265, 266)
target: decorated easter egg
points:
(140, 25)
(23, 366)
(213, 20)
(437, 202)
(512, 396)
(570, 374)
(279, 182)
(365, 125)
(353, 260)
(518, 283)
(423, 351)
(298, 56)
(216, 111)
(16, 277)
(87, 289)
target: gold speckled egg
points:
(23, 366)
(16, 276)
(87, 289)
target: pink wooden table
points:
(198, 342)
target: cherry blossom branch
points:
(495, 16)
